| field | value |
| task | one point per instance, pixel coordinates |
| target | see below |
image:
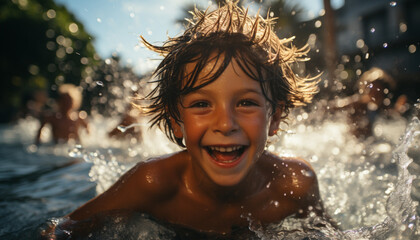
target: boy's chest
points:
(206, 215)
(199, 214)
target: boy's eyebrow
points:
(241, 91)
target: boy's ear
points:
(176, 128)
(275, 120)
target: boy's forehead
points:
(213, 64)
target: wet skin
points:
(168, 190)
(225, 125)
(225, 178)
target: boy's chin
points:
(230, 180)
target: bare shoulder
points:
(160, 175)
(142, 188)
(295, 181)
(293, 176)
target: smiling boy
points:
(223, 88)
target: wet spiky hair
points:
(231, 32)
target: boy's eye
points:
(200, 104)
(247, 103)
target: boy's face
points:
(225, 124)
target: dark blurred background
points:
(44, 45)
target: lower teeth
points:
(226, 157)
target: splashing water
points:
(401, 221)
(398, 210)
(110, 162)
(393, 3)
(365, 188)
(125, 128)
(105, 170)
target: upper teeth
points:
(225, 149)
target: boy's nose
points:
(225, 121)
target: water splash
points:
(123, 129)
(76, 152)
(105, 170)
(399, 217)
(383, 208)
(402, 220)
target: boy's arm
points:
(136, 190)
(38, 135)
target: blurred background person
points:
(373, 99)
(66, 121)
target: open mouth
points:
(226, 156)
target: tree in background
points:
(287, 23)
(42, 46)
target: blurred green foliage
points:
(42, 46)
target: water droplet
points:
(393, 3)
(411, 226)
(125, 128)
(32, 148)
(122, 128)
(412, 48)
(306, 173)
(76, 152)
(90, 157)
